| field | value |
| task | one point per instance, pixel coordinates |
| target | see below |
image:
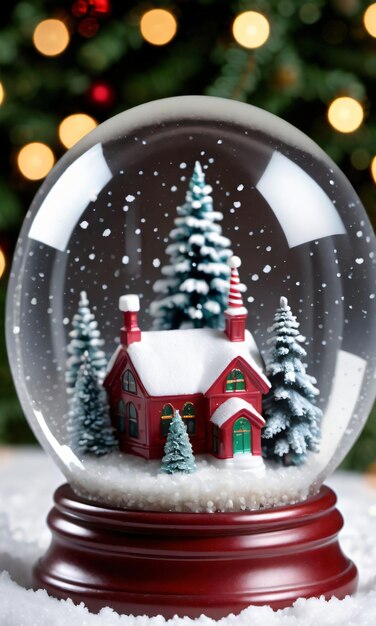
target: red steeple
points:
(236, 314)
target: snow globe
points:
(190, 326)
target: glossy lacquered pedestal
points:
(188, 564)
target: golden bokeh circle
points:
(51, 37)
(373, 168)
(35, 160)
(158, 26)
(369, 20)
(74, 127)
(251, 29)
(345, 114)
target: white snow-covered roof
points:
(179, 362)
(231, 406)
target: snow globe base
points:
(186, 564)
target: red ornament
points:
(80, 8)
(102, 94)
(99, 8)
(92, 8)
(88, 27)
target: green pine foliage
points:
(84, 337)
(194, 292)
(292, 420)
(178, 455)
(89, 426)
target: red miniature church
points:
(213, 378)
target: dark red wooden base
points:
(187, 564)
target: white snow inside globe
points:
(191, 311)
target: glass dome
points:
(101, 223)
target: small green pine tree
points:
(178, 455)
(89, 425)
(292, 419)
(194, 292)
(85, 337)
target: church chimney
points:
(130, 305)
(235, 314)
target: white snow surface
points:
(24, 537)
(231, 406)
(129, 482)
(177, 362)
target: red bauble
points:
(80, 8)
(99, 8)
(93, 8)
(102, 94)
(88, 27)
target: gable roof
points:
(182, 362)
(232, 406)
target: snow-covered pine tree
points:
(292, 419)
(84, 337)
(194, 292)
(89, 425)
(178, 455)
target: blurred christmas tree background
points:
(67, 66)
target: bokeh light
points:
(102, 94)
(51, 37)
(158, 26)
(360, 158)
(345, 114)
(369, 20)
(35, 160)
(2, 263)
(74, 127)
(2, 93)
(373, 168)
(251, 29)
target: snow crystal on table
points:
(23, 537)
(125, 481)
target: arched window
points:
(132, 416)
(121, 417)
(189, 417)
(129, 383)
(166, 417)
(235, 381)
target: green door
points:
(241, 436)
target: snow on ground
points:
(27, 481)
(126, 481)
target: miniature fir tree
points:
(89, 423)
(178, 455)
(193, 293)
(85, 337)
(292, 419)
